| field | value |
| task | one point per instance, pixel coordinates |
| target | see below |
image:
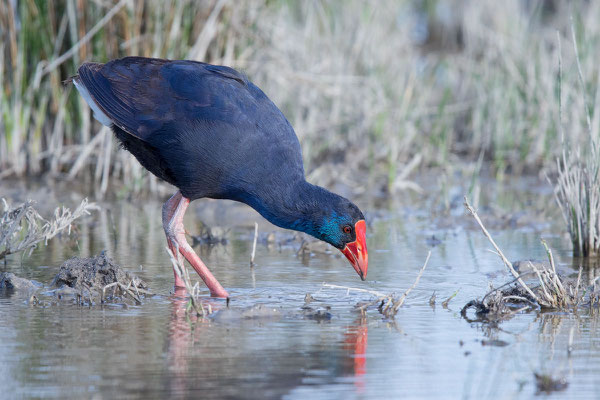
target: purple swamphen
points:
(209, 131)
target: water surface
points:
(156, 350)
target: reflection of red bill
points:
(355, 342)
(356, 252)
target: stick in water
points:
(254, 244)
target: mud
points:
(97, 280)
(548, 384)
(10, 281)
(92, 273)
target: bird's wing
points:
(141, 95)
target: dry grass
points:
(22, 227)
(577, 188)
(381, 87)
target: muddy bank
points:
(84, 281)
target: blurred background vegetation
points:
(378, 88)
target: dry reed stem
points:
(507, 263)
(86, 38)
(399, 303)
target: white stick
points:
(254, 244)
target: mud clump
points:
(10, 281)
(98, 280)
(316, 314)
(548, 384)
(90, 273)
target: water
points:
(154, 350)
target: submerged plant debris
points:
(547, 384)
(210, 236)
(316, 313)
(499, 305)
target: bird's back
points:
(204, 128)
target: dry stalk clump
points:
(22, 227)
(193, 290)
(549, 291)
(389, 304)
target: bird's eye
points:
(347, 229)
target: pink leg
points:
(173, 211)
(167, 214)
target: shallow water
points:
(155, 350)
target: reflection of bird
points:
(211, 133)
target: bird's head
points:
(343, 226)
(322, 214)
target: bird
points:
(210, 132)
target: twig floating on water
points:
(349, 289)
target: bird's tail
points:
(70, 80)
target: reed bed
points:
(577, 187)
(383, 87)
